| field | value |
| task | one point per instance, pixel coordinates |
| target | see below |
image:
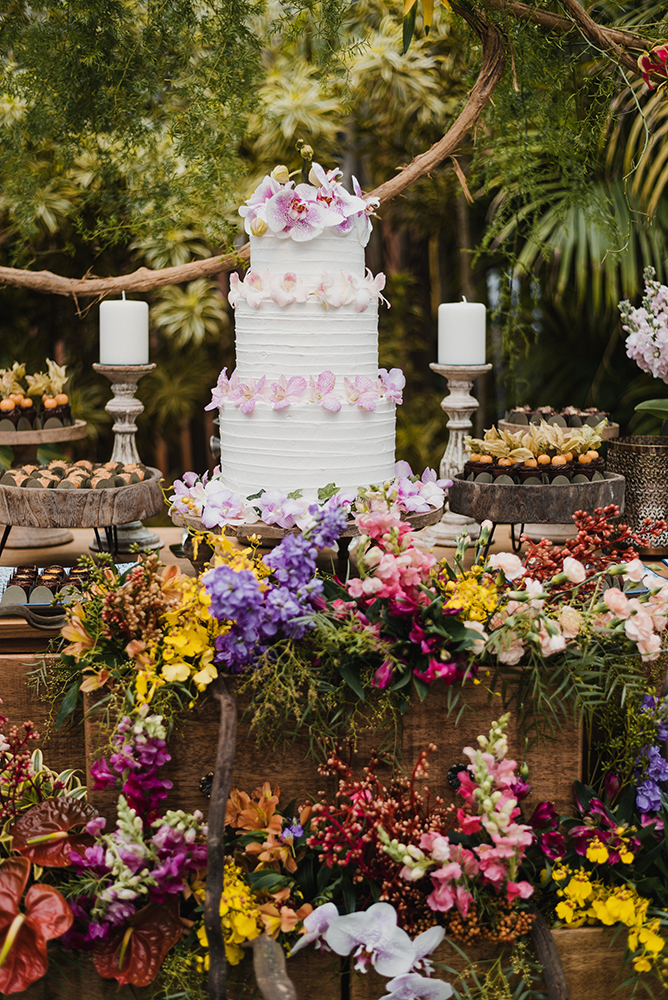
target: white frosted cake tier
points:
(304, 338)
(330, 251)
(305, 446)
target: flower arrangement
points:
(647, 325)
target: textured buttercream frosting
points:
(303, 445)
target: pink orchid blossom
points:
(374, 938)
(222, 507)
(392, 383)
(322, 391)
(222, 389)
(296, 214)
(277, 508)
(233, 294)
(362, 391)
(334, 195)
(363, 221)
(287, 391)
(255, 287)
(315, 927)
(288, 288)
(254, 207)
(402, 468)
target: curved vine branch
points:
(144, 279)
(491, 71)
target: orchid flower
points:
(322, 391)
(223, 507)
(413, 986)
(316, 925)
(287, 391)
(247, 394)
(296, 214)
(393, 382)
(374, 938)
(255, 206)
(288, 289)
(362, 391)
(277, 507)
(221, 390)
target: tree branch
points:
(143, 280)
(597, 35)
(556, 22)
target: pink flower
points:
(383, 676)
(574, 570)
(233, 294)
(617, 602)
(362, 391)
(635, 571)
(277, 508)
(436, 845)
(287, 391)
(477, 645)
(252, 288)
(521, 889)
(335, 196)
(322, 391)
(393, 382)
(222, 507)
(534, 588)
(570, 621)
(297, 215)
(650, 648)
(246, 396)
(512, 649)
(254, 207)
(550, 644)
(442, 898)
(221, 390)
(468, 823)
(653, 64)
(509, 564)
(638, 627)
(438, 670)
(288, 289)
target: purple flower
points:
(362, 391)
(402, 469)
(331, 193)
(102, 776)
(222, 507)
(277, 508)
(296, 214)
(328, 524)
(247, 394)
(393, 382)
(322, 391)
(552, 844)
(219, 394)
(413, 986)
(544, 816)
(317, 923)
(287, 391)
(96, 826)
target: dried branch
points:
(597, 35)
(220, 792)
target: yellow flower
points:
(626, 856)
(579, 888)
(207, 673)
(565, 911)
(179, 671)
(240, 917)
(597, 852)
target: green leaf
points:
(657, 407)
(267, 880)
(68, 704)
(327, 492)
(409, 27)
(421, 688)
(352, 680)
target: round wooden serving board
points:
(51, 436)
(53, 508)
(534, 504)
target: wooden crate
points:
(592, 964)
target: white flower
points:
(510, 565)
(374, 937)
(574, 570)
(416, 987)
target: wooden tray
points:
(534, 504)
(53, 508)
(74, 432)
(610, 431)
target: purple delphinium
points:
(284, 609)
(651, 769)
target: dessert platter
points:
(518, 418)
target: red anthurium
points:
(134, 952)
(23, 934)
(42, 833)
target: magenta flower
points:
(297, 215)
(246, 395)
(362, 391)
(393, 382)
(322, 391)
(383, 676)
(331, 193)
(287, 391)
(652, 64)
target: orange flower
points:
(273, 851)
(94, 680)
(236, 804)
(260, 813)
(284, 919)
(75, 630)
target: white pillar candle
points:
(123, 332)
(461, 333)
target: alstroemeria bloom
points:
(373, 937)
(287, 391)
(393, 383)
(24, 934)
(322, 391)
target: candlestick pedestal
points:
(459, 405)
(124, 407)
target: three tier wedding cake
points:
(307, 404)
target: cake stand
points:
(544, 504)
(25, 445)
(274, 533)
(104, 509)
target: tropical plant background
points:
(139, 154)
